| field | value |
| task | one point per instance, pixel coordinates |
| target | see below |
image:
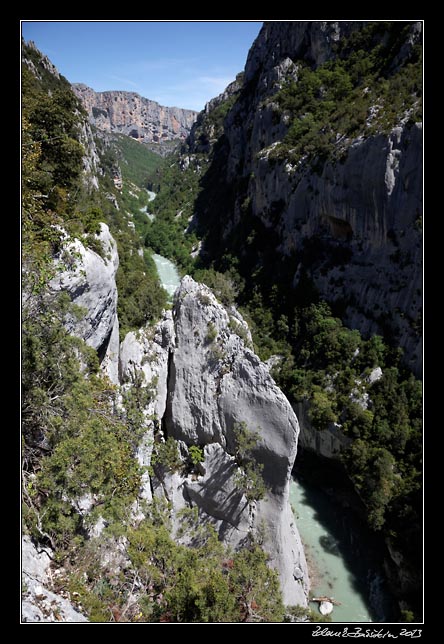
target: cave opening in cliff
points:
(340, 229)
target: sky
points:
(181, 64)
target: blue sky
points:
(182, 64)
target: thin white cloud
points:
(193, 93)
(218, 82)
(164, 63)
(125, 81)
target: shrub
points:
(211, 333)
(166, 455)
(321, 411)
(249, 477)
(239, 329)
(196, 454)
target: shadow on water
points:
(329, 544)
(345, 536)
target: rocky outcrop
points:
(216, 382)
(206, 129)
(39, 604)
(309, 41)
(36, 61)
(91, 285)
(131, 114)
(204, 380)
(90, 160)
(197, 379)
(365, 210)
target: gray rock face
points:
(368, 206)
(327, 443)
(39, 604)
(110, 362)
(354, 226)
(146, 352)
(92, 286)
(131, 114)
(44, 61)
(215, 381)
(90, 160)
(205, 133)
(310, 41)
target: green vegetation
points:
(170, 233)
(220, 284)
(138, 164)
(167, 582)
(249, 479)
(52, 165)
(174, 233)
(165, 456)
(73, 443)
(78, 442)
(55, 198)
(360, 92)
(211, 333)
(141, 299)
(328, 365)
(196, 454)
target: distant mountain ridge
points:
(131, 114)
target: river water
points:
(343, 560)
(151, 196)
(168, 274)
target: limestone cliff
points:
(351, 221)
(236, 388)
(131, 114)
(91, 285)
(207, 381)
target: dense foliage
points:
(75, 440)
(137, 162)
(164, 581)
(171, 233)
(359, 93)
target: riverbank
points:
(344, 558)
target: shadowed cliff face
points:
(208, 382)
(350, 218)
(131, 114)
